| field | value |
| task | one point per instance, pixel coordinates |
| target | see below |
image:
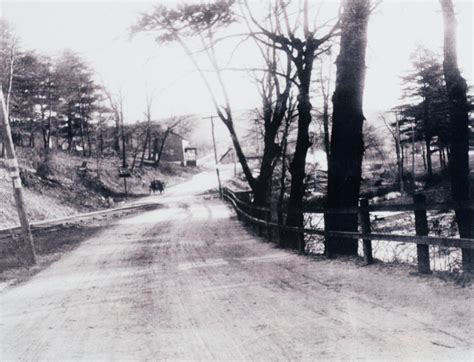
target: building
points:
(173, 149)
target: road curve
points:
(187, 281)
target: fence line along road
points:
(57, 224)
(252, 215)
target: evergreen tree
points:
(23, 105)
(427, 101)
(78, 100)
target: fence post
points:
(247, 211)
(268, 214)
(239, 216)
(364, 217)
(244, 197)
(465, 221)
(301, 243)
(259, 213)
(254, 224)
(421, 226)
(237, 207)
(279, 233)
(468, 254)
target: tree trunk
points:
(45, 138)
(399, 163)
(298, 164)
(428, 155)
(117, 136)
(48, 138)
(403, 159)
(347, 144)
(32, 139)
(281, 196)
(326, 130)
(144, 147)
(423, 155)
(83, 141)
(124, 150)
(101, 144)
(441, 159)
(456, 87)
(262, 189)
(325, 96)
(162, 146)
(70, 134)
(271, 150)
(238, 150)
(88, 139)
(135, 154)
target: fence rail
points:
(253, 215)
(57, 224)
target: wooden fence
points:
(260, 218)
(6, 235)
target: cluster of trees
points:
(57, 103)
(423, 118)
(47, 97)
(291, 45)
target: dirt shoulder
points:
(52, 244)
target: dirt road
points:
(187, 281)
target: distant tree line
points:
(57, 103)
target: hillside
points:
(67, 189)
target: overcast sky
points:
(98, 31)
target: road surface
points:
(187, 281)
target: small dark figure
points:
(157, 185)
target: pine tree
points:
(78, 101)
(427, 106)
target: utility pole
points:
(14, 170)
(215, 154)
(124, 154)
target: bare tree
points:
(289, 118)
(325, 85)
(149, 103)
(274, 88)
(99, 134)
(302, 51)
(395, 133)
(116, 104)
